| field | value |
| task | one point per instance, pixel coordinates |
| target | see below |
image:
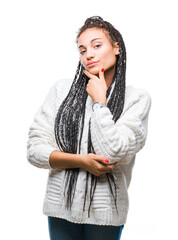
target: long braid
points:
(69, 120)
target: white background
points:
(37, 47)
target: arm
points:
(120, 141)
(41, 134)
(42, 151)
(59, 159)
(92, 163)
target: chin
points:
(94, 71)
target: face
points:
(94, 46)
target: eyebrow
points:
(91, 41)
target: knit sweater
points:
(118, 141)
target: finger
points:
(88, 74)
(108, 169)
(101, 74)
(113, 163)
(106, 162)
(101, 159)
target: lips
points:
(91, 63)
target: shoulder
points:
(63, 83)
(136, 93)
(137, 99)
(61, 86)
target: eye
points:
(97, 45)
(82, 52)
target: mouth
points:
(91, 64)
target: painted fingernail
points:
(106, 160)
(83, 70)
(102, 70)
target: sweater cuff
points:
(41, 156)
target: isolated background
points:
(37, 48)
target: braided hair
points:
(69, 121)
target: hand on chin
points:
(94, 72)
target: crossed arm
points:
(117, 142)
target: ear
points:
(116, 48)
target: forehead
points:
(91, 33)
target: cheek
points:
(107, 56)
(109, 60)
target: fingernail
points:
(106, 160)
(83, 70)
(102, 70)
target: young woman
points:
(87, 133)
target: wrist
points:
(103, 101)
(82, 161)
(98, 105)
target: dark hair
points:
(70, 117)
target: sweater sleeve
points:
(41, 134)
(120, 141)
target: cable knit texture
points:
(118, 141)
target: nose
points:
(89, 54)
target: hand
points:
(95, 164)
(96, 87)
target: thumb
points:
(101, 74)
